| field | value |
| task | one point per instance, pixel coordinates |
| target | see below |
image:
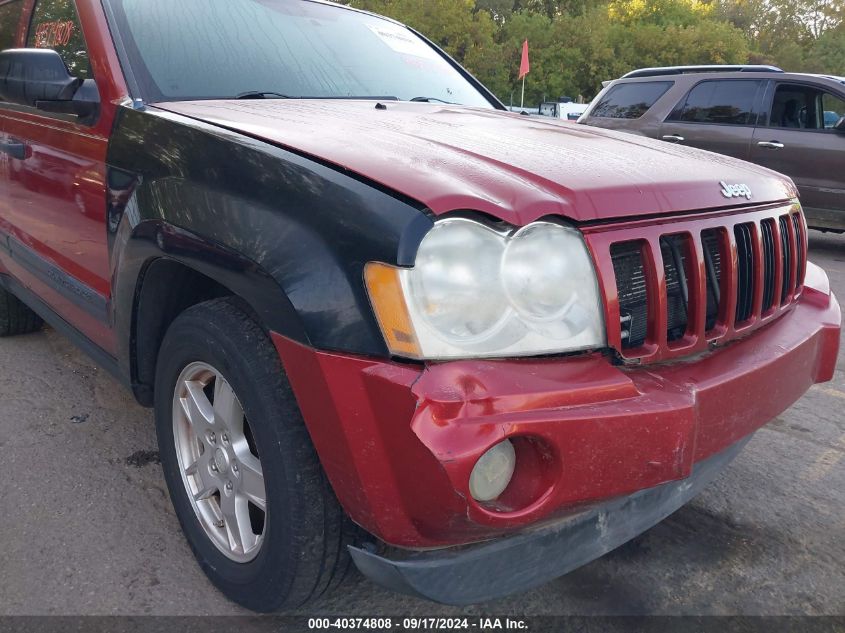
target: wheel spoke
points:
(197, 408)
(238, 525)
(227, 409)
(204, 482)
(205, 491)
(252, 481)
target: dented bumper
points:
(490, 570)
(398, 441)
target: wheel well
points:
(167, 289)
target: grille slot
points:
(767, 231)
(675, 257)
(745, 272)
(632, 291)
(786, 287)
(712, 242)
(799, 248)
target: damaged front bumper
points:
(600, 448)
(486, 571)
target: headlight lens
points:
(480, 292)
(542, 275)
(456, 269)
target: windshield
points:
(224, 49)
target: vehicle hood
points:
(515, 167)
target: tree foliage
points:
(577, 44)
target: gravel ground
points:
(87, 526)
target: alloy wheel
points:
(219, 462)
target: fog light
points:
(493, 472)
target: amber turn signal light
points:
(388, 300)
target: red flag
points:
(524, 66)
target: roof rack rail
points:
(833, 77)
(717, 68)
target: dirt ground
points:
(87, 528)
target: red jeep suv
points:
(358, 292)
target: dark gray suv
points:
(790, 122)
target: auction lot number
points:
(350, 623)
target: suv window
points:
(833, 108)
(726, 102)
(10, 17)
(804, 107)
(55, 24)
(630, 100)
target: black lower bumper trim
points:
(493, 569)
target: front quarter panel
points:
(245, 212)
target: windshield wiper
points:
(260, 94)
(430, 100)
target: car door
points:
(797, 138)
(54, 193)
(717, 115)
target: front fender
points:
(287, 233)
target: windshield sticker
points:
(402, 40)
(52, 34)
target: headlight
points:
(479, 292)
(455, 285)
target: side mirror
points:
(840, 124)
(39, 78)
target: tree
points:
(499, 10)
(785, 32)
(828, 53)
(673, 32)
(502, 9)
(553, 8)
(660, 12)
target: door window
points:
(833, 109)
(726, 102)
(10, 18)
(55, 24)
(805, 108)
(630, 100)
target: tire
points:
(302, 551)
(15, 317)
